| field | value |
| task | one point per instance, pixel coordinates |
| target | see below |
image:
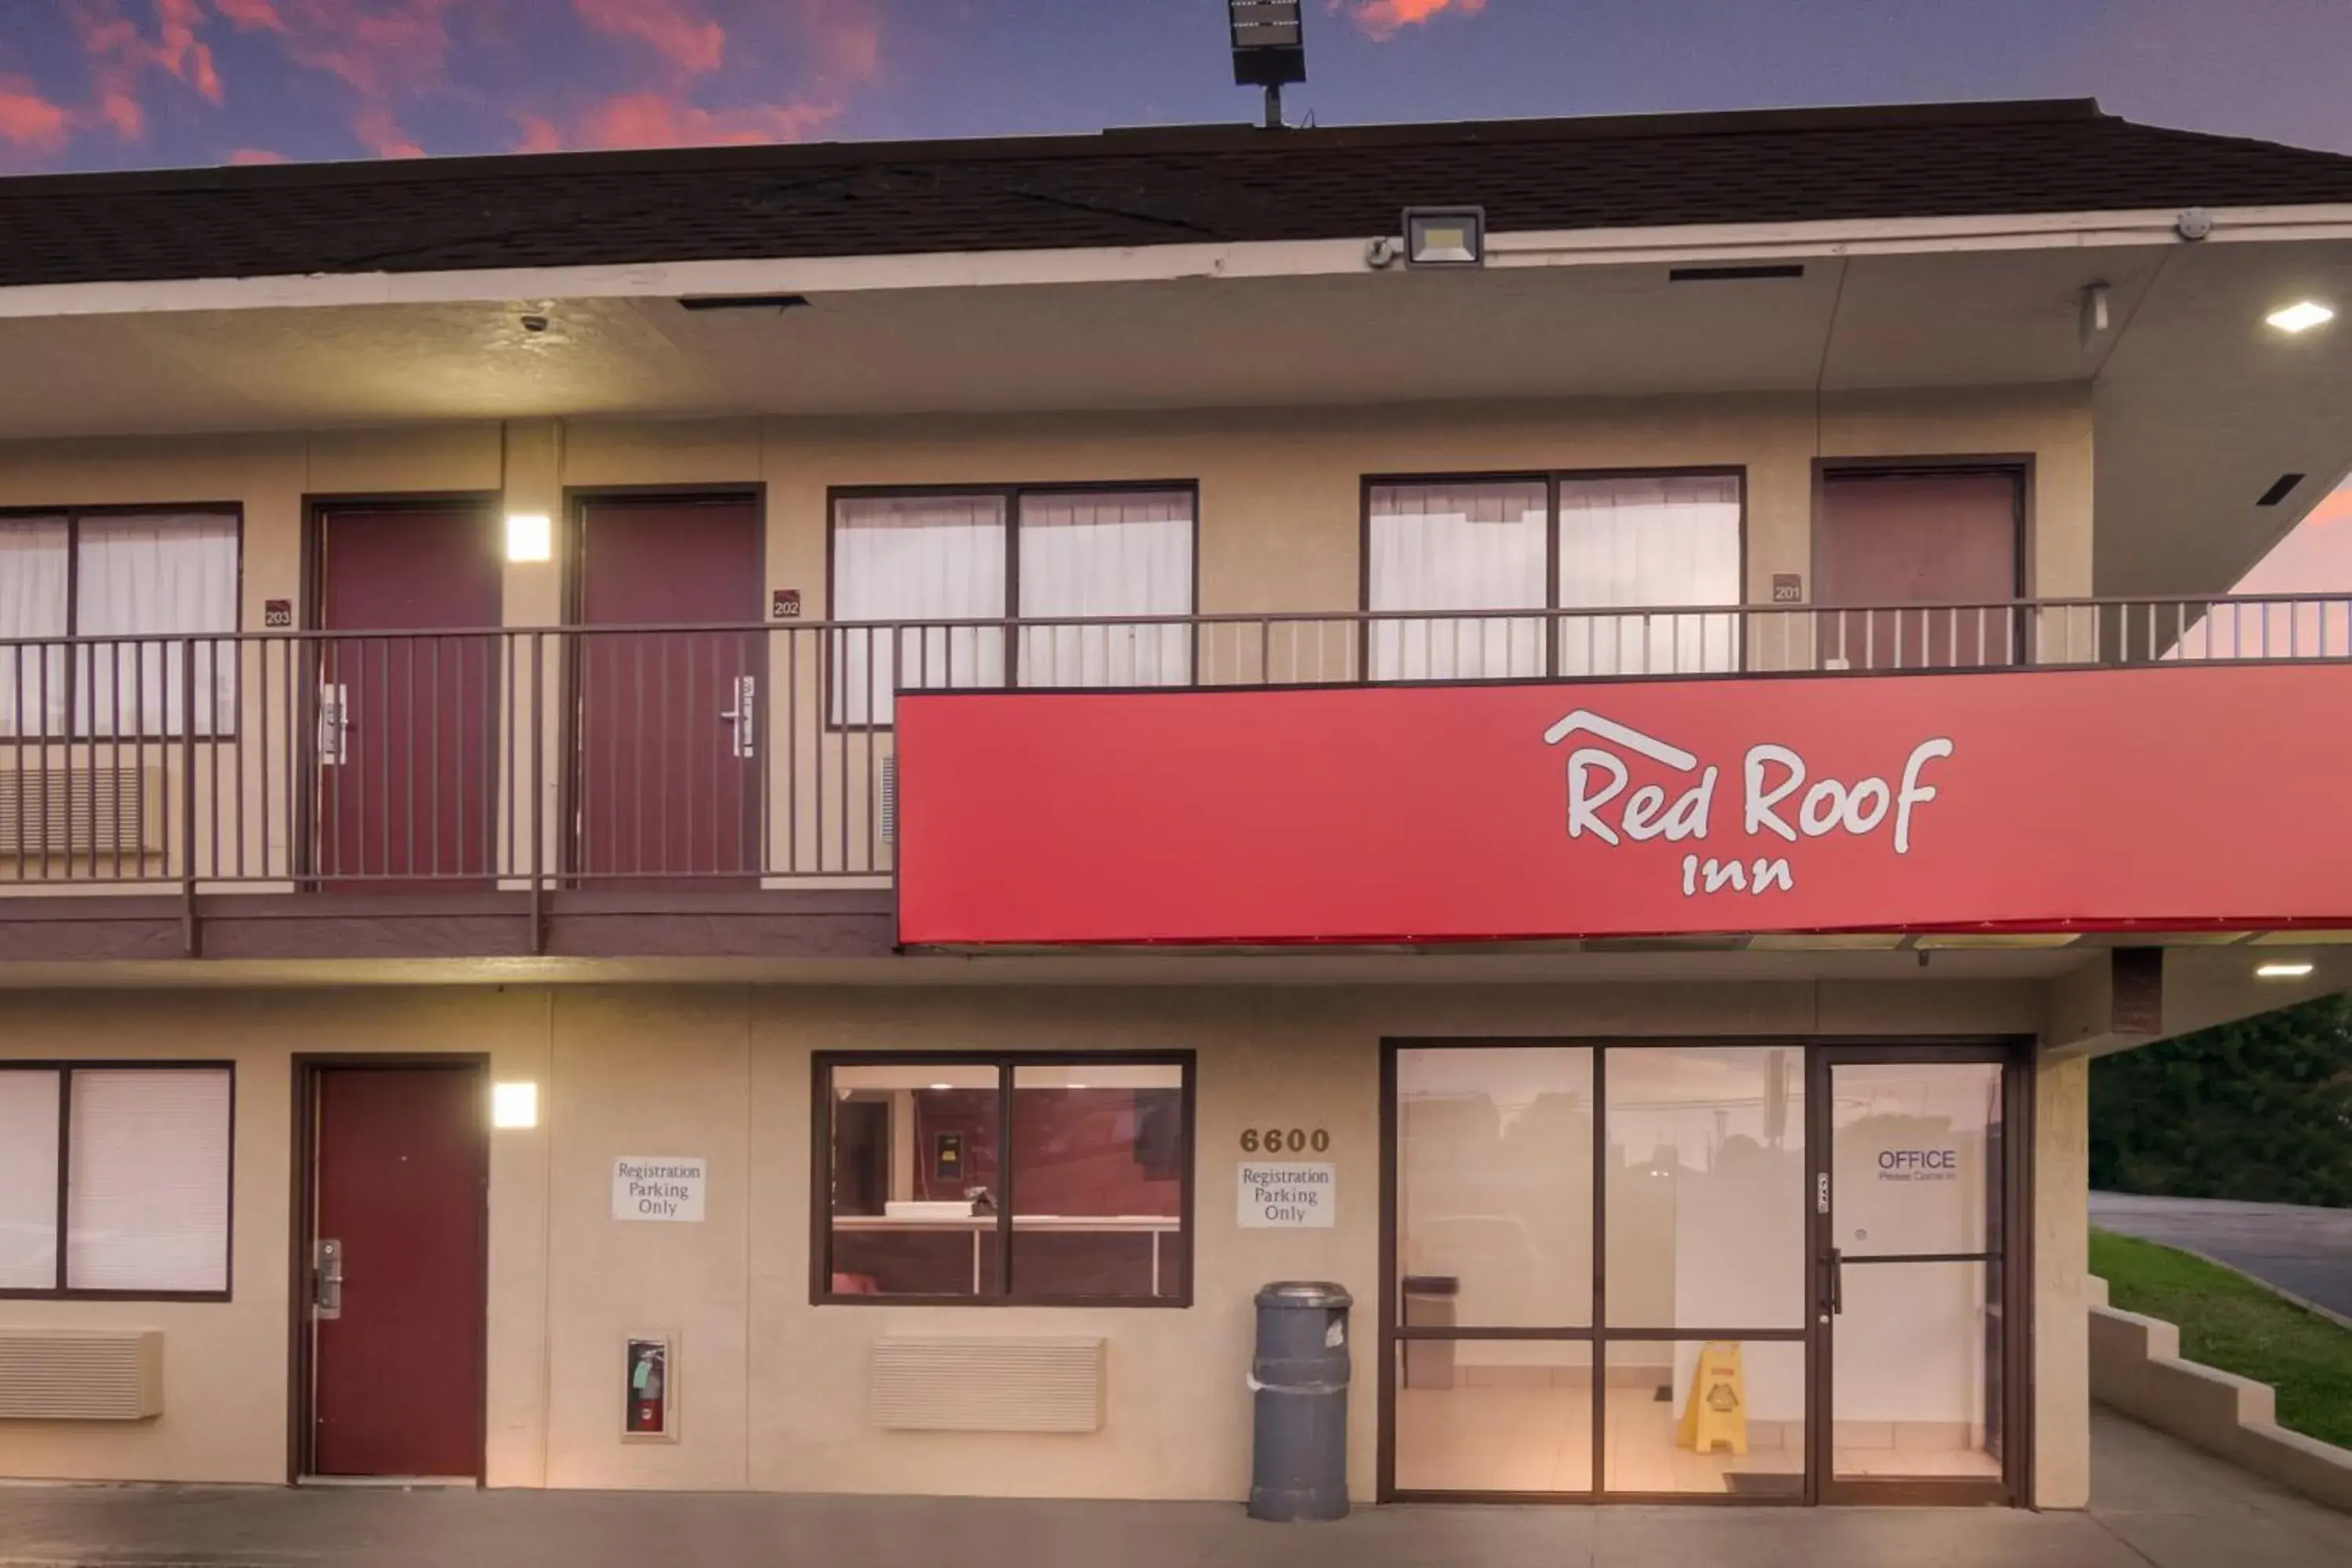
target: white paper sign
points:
(658, 1188)
(1286, 1196)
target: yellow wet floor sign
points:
(1715, 1416)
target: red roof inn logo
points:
(1776, 801)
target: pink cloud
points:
(652, 119)
(1383, 19)
(245, 156)
(29, 120)
(692, 43)
(259, 15)
(380, 50)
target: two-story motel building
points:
(778, 819)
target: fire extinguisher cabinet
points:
(1299, 1380)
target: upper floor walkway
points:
(687, 790)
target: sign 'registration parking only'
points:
(1286, 1196)
(666, 1188)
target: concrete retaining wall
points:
(2136, 1367)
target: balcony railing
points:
(717, 758)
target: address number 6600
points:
(1285, 1140)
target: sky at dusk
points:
(115, 84)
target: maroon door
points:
(1944, 545)
(400, 1174)
(666, 773)
(406, 726)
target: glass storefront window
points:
(1493, 1416)
(1495, 1182)
(1705, 1177)
(1706, 1415)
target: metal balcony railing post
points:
(190, 937)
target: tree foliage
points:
(2259, 1109)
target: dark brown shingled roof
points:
(1128, 188)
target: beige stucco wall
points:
(772, 1389)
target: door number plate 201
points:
(1821, 1193)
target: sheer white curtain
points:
(159, 575)
(1668, 540)
(1106, 554)
(1473, 546)
(915, 558)
(28, 1178)
(147, 1200)
(32, 605)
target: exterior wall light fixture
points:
(531, 536)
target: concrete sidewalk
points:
(2307, 1251)
(2156, 1502)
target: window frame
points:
(1551, 609)
(64, 1069)
(225, 725)
(1010, 495)
(822, 1066)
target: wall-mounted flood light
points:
(514, 1105)
(2283, 971)
(1445, 236)
(531, 536)
(1269, 50)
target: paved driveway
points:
(2156, 1503)
(2306, 1250)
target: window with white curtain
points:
(915, 559)
(1116, 555)
(1656, 542)
(1667, 541)
(1106, 556)
(144, 1209)
(163, 582)
(1477, 545)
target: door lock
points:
(326, 1281)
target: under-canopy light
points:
(2283, 971)
(2301, 316)
(1445, 236)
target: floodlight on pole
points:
(1269, 48)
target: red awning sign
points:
(2155, 797)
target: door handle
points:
(742, 717)
(1836, 1261)
(326, 1281)
(335, 722)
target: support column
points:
(2062, 1351)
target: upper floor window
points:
(1655, 542)
(1936, 553)
(134, 586)
(1118, 560)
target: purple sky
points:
(127, 83)
(112, 84)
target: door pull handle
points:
(1837, 1281)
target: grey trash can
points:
(1299, 1458)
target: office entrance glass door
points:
(1763, 1271)
(1915, 1367)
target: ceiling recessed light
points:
(2301, 316)
(938, 1086)
(2284, 971)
